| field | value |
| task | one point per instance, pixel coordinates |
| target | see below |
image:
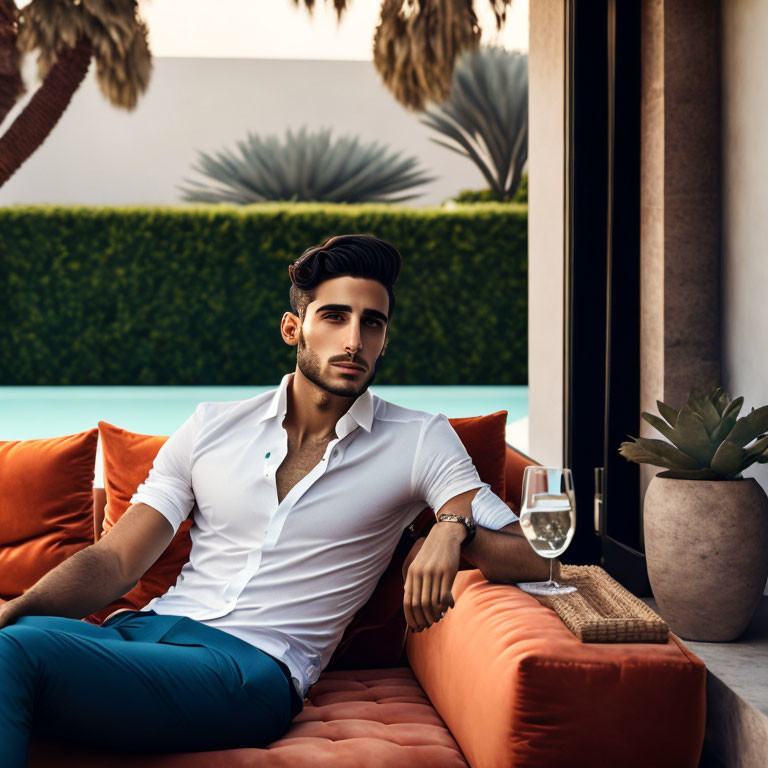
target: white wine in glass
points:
(548, 520)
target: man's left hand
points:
(430, 576)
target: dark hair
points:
(356, 255)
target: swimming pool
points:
(32, 412)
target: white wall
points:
(101, 155)
(745, 205)
(545, 231)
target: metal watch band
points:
(468, 524)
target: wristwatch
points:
(469, 524)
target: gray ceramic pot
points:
(706, 544)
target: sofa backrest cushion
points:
(46, 506)
(128, 457)
(515, 466)
(484, 437)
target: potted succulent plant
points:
(705, 525)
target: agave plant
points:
(485, 116)
(708, 440)
(308, 166)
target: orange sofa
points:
(500, 681)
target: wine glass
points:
(548, 520)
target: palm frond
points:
(117, 34)
(416, 44)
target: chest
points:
(296, 465)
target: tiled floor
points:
(737, 695)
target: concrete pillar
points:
(680, 203)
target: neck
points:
(312, 412)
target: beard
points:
(311, 367)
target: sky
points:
(278, 29)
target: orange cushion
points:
(371, 718)
(375, 636)
(517, 687)
(46, 512)
(516, 463)
(128, 457)
(485, 439)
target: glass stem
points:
(550, 569)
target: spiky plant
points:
(707, 439)
(307, 166)
(485, 117)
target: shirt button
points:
(267, 454)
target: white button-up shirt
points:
(288, 577)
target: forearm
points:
(82, 584)
(507, 558)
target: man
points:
(299, 497)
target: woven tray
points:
(602, 611)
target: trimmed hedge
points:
(195, 294)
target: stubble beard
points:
(311, 368)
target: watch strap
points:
(445, 517)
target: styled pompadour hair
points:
(355, 255)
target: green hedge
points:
(194, 295)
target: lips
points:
(348, 367)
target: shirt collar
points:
(360, 413)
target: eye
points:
(375, 323)
(332, 314)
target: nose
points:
(354, 342)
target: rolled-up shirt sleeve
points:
(168, 487)
(443, 469)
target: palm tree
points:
(67, 34)
(417, 43)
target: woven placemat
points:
(602, 611)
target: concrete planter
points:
(706, 544)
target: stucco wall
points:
(101, 155)
(545, 230)
(745, 205)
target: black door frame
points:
(602, 282)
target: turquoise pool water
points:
(32, 412)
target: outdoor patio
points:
(570, 321)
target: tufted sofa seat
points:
(379, 717)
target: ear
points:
(384, 348)
(290, 326)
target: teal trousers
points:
(141, 682)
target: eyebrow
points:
(346, 308)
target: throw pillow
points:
(128, 457)
(46, 513)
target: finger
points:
(419, 619)
(416, 606)
(446, 599)
(437, 605)
(426, 599)
(410, 619)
